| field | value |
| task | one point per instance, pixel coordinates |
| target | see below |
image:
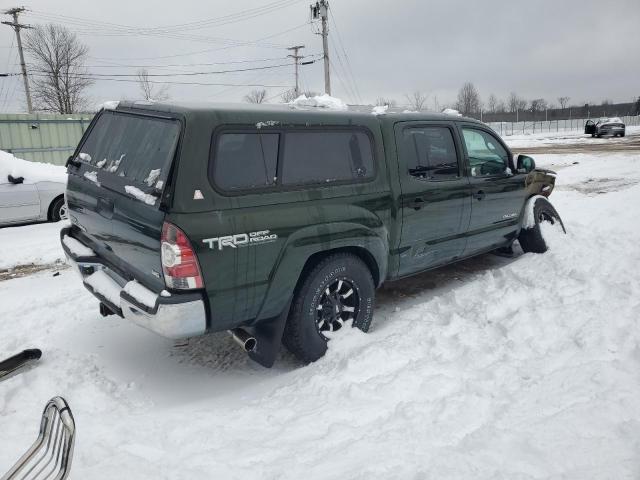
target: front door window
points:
(487, 157)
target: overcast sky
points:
(538, 48)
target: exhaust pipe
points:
(244, 339)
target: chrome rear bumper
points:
(172, 315)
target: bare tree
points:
(538, 105)
(385, 102)
(492, 103)
(256, 96)
(563, 101)
(468, 99)
(150, 91)
(288, 96)
(516, 103)
(417, 100)
(59, 77)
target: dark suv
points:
(277, 223)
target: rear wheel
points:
(531, 239)
(58, 210)
(622, 134)
(337, 292)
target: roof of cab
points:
(359, 112)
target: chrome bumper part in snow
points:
(51, 454)
(170, 315)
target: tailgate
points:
(115, 189)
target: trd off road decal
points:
(241, 240)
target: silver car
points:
(605, 126)
(22, 201)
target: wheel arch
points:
(301, 255)
(51, 204)
(360, 252)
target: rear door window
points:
(325, 157)
(245, 160)
(136, 147)
(430, 152)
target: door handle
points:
(479, 195)
(417, 203)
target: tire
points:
(593, 135)
(531, 239)
(58, 210)
(622, 134)
(339, 288)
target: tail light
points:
(179, 261)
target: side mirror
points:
(15, 180)
(525, 164)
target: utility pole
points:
(17, 27)
(296, 59)
(321, 10)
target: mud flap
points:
(269, 333)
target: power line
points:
(346, 87)
(233, 62)
(3, 85)
(348, 69)
(8, 96)
(199, 24)
(217, 72)
(279, 94)
(97, 31)
(169, 82)
(209, 50)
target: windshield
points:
(136, 147)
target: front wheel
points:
(58, 210)
(337, 292)
(531, 238)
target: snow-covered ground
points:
(37, 244)
(522, 368)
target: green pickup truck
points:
(277, 223)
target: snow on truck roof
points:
(317, 106)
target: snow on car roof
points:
(33, 172)
(609, 120)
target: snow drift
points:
(322, 101)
